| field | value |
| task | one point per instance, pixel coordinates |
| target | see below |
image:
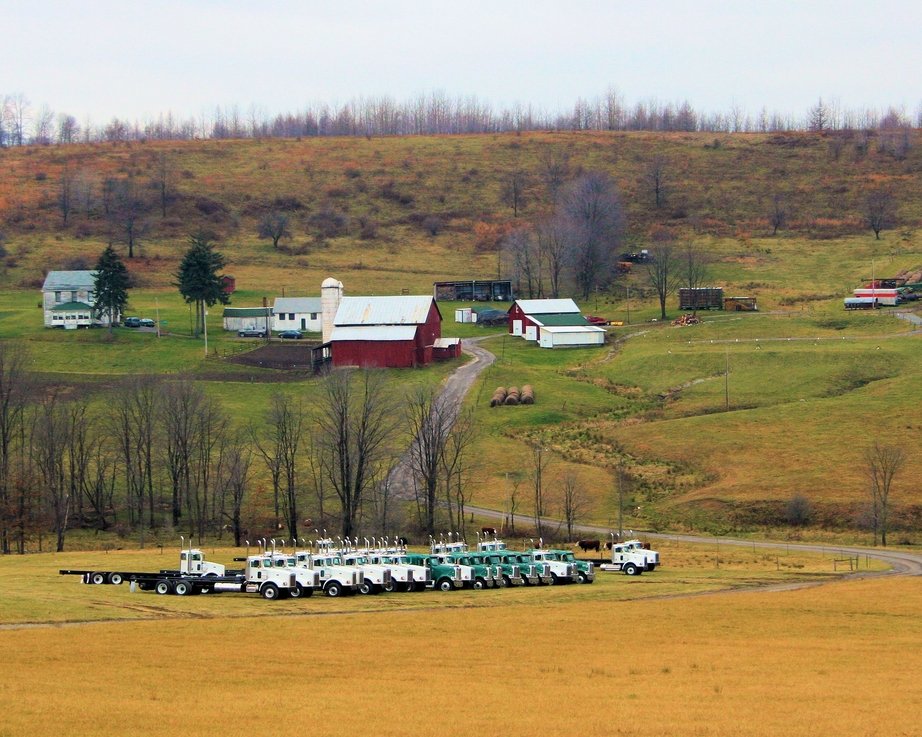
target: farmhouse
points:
(68, 299)
(296, 313)
(246, 318)
(381, 332)
(553, 323)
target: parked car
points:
(146, 322)
(252, 333)
(290, 335)
(132, 322)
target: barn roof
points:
(296, 304)
(568, 318)
(409, 310)
(69, 280)
(373, 332)
(546, 306)
(445, 342)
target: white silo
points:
(331, 292)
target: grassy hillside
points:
(808, 385)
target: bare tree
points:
(663, 270)
(513, 501)
(778, 213)
(574, 503)
(882, 464)
(526, 262)
(695, 267)
(163, 179)
(286, 432)
(655, 178)
(555, 169)
(66, 194)
(552, 243)
(880, 208)
(514, 189)
(126, 211)
(50, 439)
(68, 128)
(274, 225)
(181, 404)
(132, 419)
(818, 118)
(456, 468)
(541, 460)
(429, 419)
(235, 459)
(12, 404)
(354, 421)
(592, 213)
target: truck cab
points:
(510, 571)
(651, 557)
(262, 577)
(561, 571)
(444, 576)
(308, 579)
(376, 577)
(474, 575)
(405, 576)
(585, 569)
(625, 559)
(192, 563)
(335, 578)
(494, 567)
(531, 573)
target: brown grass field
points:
(834, 660)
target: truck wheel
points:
(182, 588)
(296, 591)
(526, 581)
(445, 585)
(366, 587)
(115, 579)
(507, 582)
(555, 579)
(583, 578)
(631, 570)
(270, 591)
(334, 589)
(163, 587)
(97, 578)
(478, 584)
(390, 587)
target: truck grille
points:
(387, 575)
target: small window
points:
(291, 315)
(313, 316)
(57, 297)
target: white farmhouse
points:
(68, 298)
(297, 313)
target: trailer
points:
(861, 303)
(258, 576)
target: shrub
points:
(433, 225)
(798, 511)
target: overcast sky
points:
(104, 58)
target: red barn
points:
(385, 332)
(528, 316)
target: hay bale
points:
(528, 395)
(513, 396)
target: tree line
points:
(22, 123)
(153, 456)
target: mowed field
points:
(835, 659)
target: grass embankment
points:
(815, 661)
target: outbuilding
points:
(527, 316)
(247, 318)
(296, 313)
(571, 336)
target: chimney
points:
(331, 292)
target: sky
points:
(105, 58)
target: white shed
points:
(571, 336)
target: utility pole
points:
(205, 323)
(727, 380)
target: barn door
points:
(531, 332)
(516, 327)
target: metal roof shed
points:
(571, 336)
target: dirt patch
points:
(295, 356)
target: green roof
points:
(247, 312)
(71, 306)
(560, 319)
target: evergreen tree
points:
(198, 279)
(110, 286)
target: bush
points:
(433, 225)
(798, 511)
(368, 228)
